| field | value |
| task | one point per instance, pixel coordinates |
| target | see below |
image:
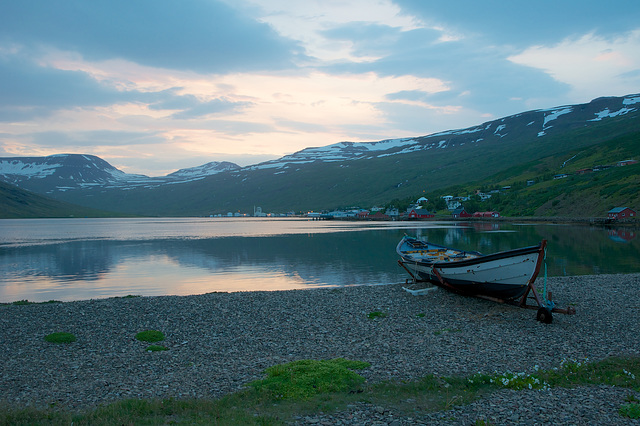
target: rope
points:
(549, 303)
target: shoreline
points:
(218, 342)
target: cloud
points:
(200, 35)
(312, 23)
(93, 138)
(520, 24)
(191, 107)
(591, 65)
(33, 89)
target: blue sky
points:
(154, 86)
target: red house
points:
(460, 213)
(419, 214)
(621, 213)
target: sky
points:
(153, 86)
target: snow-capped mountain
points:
(64, 172)
(517, 133)
(205, 170)
(534, 124)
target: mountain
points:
(200, 172)
(342, 174)
(18, 203)
(530, 125)
(64, 172)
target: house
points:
(626, 162)
(460, 212)
(486, 214)
(621, 213)
(419, 214)
(561, 176)
(483, 196)
(583, 171)
(379, 216)
(392, 212)
(601, 168)
(362, 214)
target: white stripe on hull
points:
(516, 270)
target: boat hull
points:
(505, 275)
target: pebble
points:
(219, 342)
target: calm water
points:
(73, 259)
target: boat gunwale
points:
(482, 258)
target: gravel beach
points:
(218, 342)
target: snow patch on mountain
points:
(606, 113)
(27, 169)
(342, 151)
(204, 170)
(554, 115)
(630, 100)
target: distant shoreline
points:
(600, 221)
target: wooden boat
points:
(505, 277)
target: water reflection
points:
(93, 268)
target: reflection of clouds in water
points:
(191, 266)
(87, 269)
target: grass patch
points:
(156, 348)
(307, 387)
(27, 302)
(377, 314)
(60, 337)
(631, 409)
(305, 378)
(150, 336)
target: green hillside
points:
(378, 181)
(533, 190)
(18, 203)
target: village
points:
(452, 205)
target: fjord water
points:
(75, 259)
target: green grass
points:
(156, 348)
(630, 410)
(27, 302)
(150, 336)
(446, 330)
(377, 314)
(300, 380)
(60, 337)
(309, 386)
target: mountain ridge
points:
(351, 173)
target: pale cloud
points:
(306, 21)
(591, 65)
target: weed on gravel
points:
(305, 387)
